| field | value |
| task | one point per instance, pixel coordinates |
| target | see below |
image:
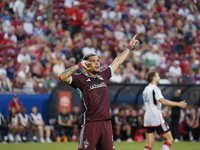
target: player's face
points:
(34, 110)
(64, 110)
(157, 78)
(95, 64)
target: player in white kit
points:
(153, 119)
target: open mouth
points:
(97, 67)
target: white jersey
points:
(153, 115)
(23, 119)
(1, 119)
(36, 118)
(14, 120)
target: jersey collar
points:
(89, 76)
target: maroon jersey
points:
(94, 93)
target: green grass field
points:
(118, 146)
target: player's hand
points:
(182, 104)
(134, 42)
(85, 64)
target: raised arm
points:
(121, 57)
(65, 75)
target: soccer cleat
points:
(48, 140)
(176, 140)
(118, 140)
(18, 138)
(5, 138)
(24, 139)
(10, 137)
(42, 140)
(35, 138)
(191, 139)
(74, 138)
(58, 139)
(65, 139)
(129, 140)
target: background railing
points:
(130, 94)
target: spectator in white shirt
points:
(160, 36)
(184, 11)
(5, 24)
(3, 69)
(175, 71)
(115, 15)
(23, 55)
(189, 25)
(135, 11)
(117, 77)
(28, 27)
(59, 67)
(140, 28)
(19, 7)
(119, 34)
(31, 12)
(106, 12)
(11, 31)
(68, 3)
(89, 47)
(23, 69)
(11, 4)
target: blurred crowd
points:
(127, 123)
(34, 49)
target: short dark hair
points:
(87, 56)
(150, 76)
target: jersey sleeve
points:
(158, 94)
(75, 81)
(70, 117)
(31, 118)
(107, 73)
(1, 118)
(9, 105)
(59, 118)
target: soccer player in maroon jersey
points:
(96, 130)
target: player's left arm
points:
(121, 57)
(181, 104)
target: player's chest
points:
(91, 84)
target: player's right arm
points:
(65, 75)
(181, 104)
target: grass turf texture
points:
(118, 146)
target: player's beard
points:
(95, 72)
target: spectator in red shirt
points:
(60, 31)
(83, 4)
(15, 103)
(75, 16)
(8, 45)
(17, 23)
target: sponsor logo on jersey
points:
(86, 144)
(95, 86)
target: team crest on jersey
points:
(99, 77)
(88, 80)
(86, 144)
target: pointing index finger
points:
(134, 37)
